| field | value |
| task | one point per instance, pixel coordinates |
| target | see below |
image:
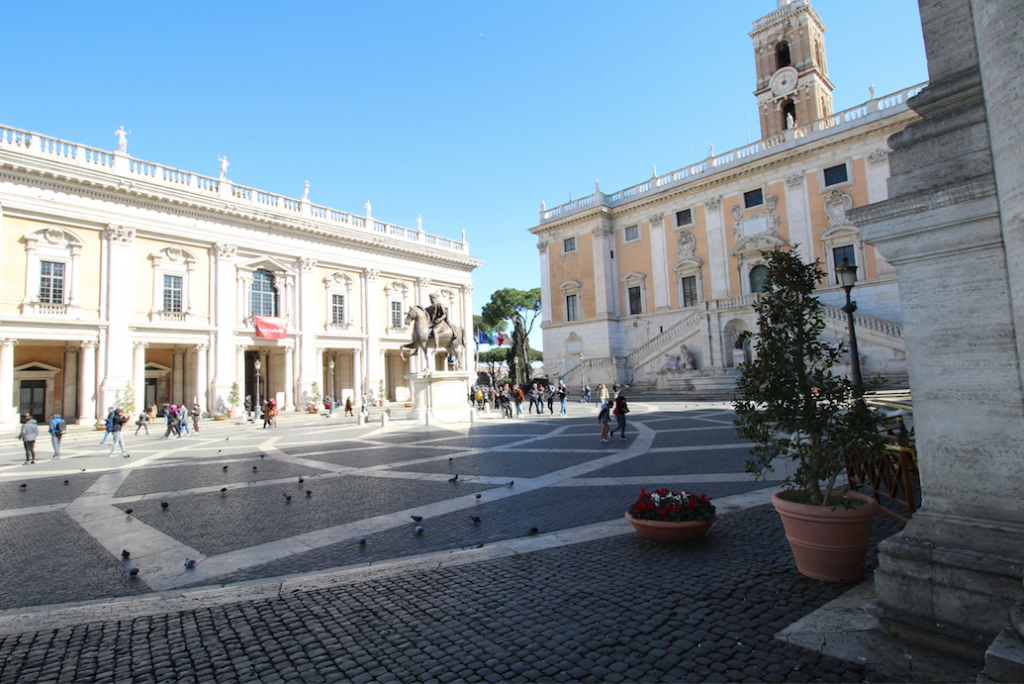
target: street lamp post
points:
(256, 365)
(330, 364)
(848, 276)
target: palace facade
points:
(121, 274)
(652, 285)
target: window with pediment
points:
(263, 293)
(173, 271)
(51, 273)
(340, 302)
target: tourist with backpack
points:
(620, 414)
(57, 429)
(142, 422)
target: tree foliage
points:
(788, 400)
(521, 308)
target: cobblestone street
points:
(283, 590)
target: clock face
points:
(783, 81)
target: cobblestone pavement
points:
(611, 608)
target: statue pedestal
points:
(441, 396)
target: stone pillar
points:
(357, 374)
(371, 305)
(139, 376)
(70, 408)
(240, 367)
(289, 379)
(119, 245)
(87, 383)
(307, 365)
(468, 331)
(659, 263)
(226, 366)
(718, 253)
(7, 346)
(952, 229)
(202, 379)
(422, 292)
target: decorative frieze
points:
(795, 180)
(878, 156)
(371, 274)
(224, 251)
(713, 203)
(307, 264)
(121, 234)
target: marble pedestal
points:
(440, 396)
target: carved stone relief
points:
(878, 156)
(837, 204)
(795, 180)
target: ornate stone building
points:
(123, 273)
(652, 284)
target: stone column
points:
(178, 377)
(798, 217)
(357, 374)
(202, 379)
(289, 379)
(468, 357)
(226, 367)
(7, 346)
(87, 383)
(139, 376)
(422, 292)
(952, 229)
(371, 305)
(307, 365)
(70, 408)
(718, 255)
(119, 245)
(659, 263)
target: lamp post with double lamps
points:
(259, 404)
(848, 277)
(330, 365)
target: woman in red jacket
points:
(620, 414)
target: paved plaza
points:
(550, 585)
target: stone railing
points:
(47, 309)
(726, 303)
(887, 105)
(185, 181)
(575, 374)
(661, 339)
(877, 325)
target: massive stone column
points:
(87, 383)
(227, 307)
(371, 305)
(7, 381)
(139, 376)
(307, 363)
(119, 246)
(202, 378)
(289, 379)
(953, 229)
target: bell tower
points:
(792, 75)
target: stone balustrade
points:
(885, 106)
(660, 340)
(184, 181)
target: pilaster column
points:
(545, 282)
(289, 379)
(240, 365)
(798, 217)
(139, 376)
(371, 305)
(70, 408)
(202, 379)
(357, 374)
(7, 346)
(178, 377)
(422, 292)
(659, 262)
(307, 366)
(119, 245)
(718, 255)
(87, 383)
(227, 367)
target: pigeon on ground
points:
(129, 511)
(24, 486)
(126, 554)
(263, 455)
(534, 530)
(301, 479)
(190, 564)
(66, 481)
(510, 484)
(475, 519)
(164, 505)
(419, 530)
(226, 438)
(287, 498)
(218, 451)
(223, 490)
(309, 492)
(83, 470)
(479, 546)
(417, 518)
(254, 469)
(134, 572)
(362, 541)
(127, 455)
(450, 459)
(478, 495)
(225, 469)
(454, 479)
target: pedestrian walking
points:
(586, 394)
(266, 414)
(273, 413)
(602, 394)
(535, 400)
(171, 418)
(110, 416)
(621, 409)
(116, 436)
(182, 417)
(517, 395)
(248, 409)
(142, 422)
(348, 407)
(28, 435)
(604, 420)
(550, 395)
(57, 429)
(196, 415)
(563, 396)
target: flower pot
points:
(314, 409)
(232, 413)
(670, 532)
(220, 417)
(828, 545)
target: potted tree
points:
(792, 406)
(313, 400)
(382, 394)
(233, 400)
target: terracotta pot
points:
(828, 545)
(314, 409)
(670, 532)
(232, 413)
(220, 417)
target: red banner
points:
(270, 328)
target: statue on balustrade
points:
(122, 139)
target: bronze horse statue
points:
(449, 337)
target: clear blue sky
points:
(467, 113)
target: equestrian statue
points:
(431, 328)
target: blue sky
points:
(467, 113)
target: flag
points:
(482, 337)
(502, 339)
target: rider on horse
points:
(438, 316)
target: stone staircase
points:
(654, 347)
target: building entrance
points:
(33, 399)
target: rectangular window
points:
(338, 309)
(569, 244)
(51, 282)
(684, 217)
(838, 253)
(690, 291)
(754, 198)
(835, 174)
(632, 233)
(172, 294)
(572, 312)
(396, 315)
(636, 306)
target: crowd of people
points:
(510, 398)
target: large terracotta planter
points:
(828, 545)
(670, 532)
(232, 413)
